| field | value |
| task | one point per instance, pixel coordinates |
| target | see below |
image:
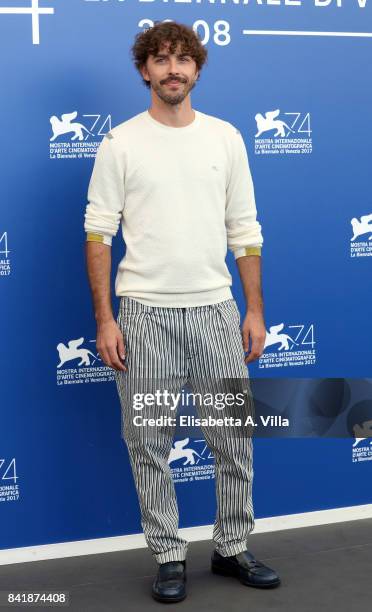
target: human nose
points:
(173, 66)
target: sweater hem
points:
(180, 300)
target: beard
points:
(177, 96)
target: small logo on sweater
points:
(214, 168)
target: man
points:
(179, 182)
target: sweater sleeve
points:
(105, 194)
(244, 236)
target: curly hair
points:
(152, 39)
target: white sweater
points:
(183, 196)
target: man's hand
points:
(253, 329)
(110, 344)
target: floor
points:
(326, 567)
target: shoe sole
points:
(231, 572)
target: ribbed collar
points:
(176, 130)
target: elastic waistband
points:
(131, 305)
(178, 300)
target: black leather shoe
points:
(169, 584)
(246, 568)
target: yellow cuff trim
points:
(94, 237)
(253, 250)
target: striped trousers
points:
(165, 349)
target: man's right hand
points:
(110, 345)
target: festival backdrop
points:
(294, 77)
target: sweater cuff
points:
(94, 237)
(252, 250)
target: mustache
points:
(173, 79)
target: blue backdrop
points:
(302, 100)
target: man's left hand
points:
(254, 331)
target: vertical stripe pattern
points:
(165, 349)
